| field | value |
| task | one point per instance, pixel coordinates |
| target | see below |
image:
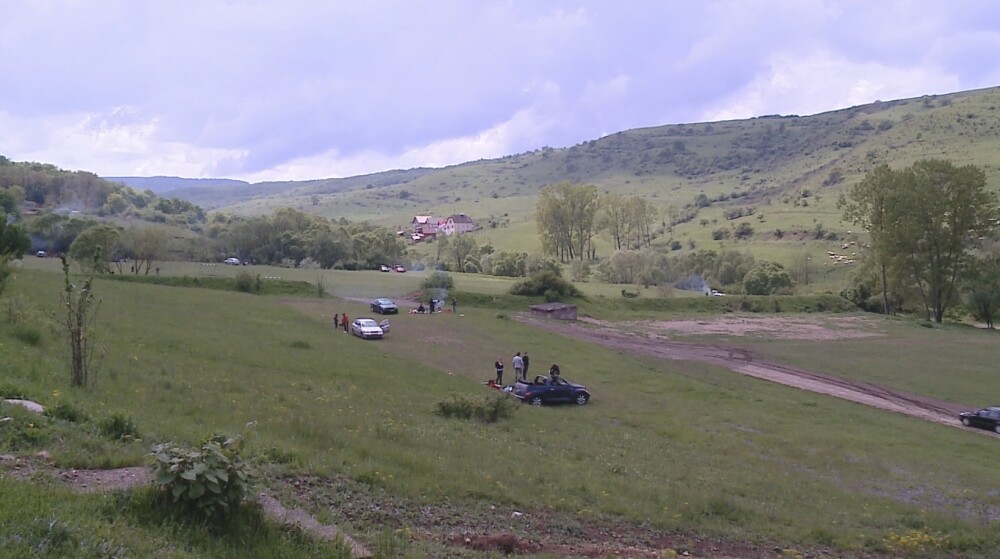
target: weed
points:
(247, 283)
(487, 410)
(28, 334)
(66, 412)
(209, 481)
(119, 427)
(300, 344)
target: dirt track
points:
(745, 362)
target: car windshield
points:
(368, 323)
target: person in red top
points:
(343, 322)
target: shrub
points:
(766, 278)
(119, 427)
(66, 412)
(720, 234)
(546, 284)
(28, 334)
(247, 282)
(487, 410)
(209, 481)
(438, 280)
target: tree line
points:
(569, 215)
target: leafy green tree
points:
(982, 297)
(566, 216)
(8, 203)
(144, 245)
(14, 242)
(940, 214)
(97, 245)
(615, 218)
(462, 248)
(870, 204)
(766, 278)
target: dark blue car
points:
(986, 418)
(544, 390)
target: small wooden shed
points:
(558, 311)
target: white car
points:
(232, 261)
(366, 328)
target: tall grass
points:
(674, 445)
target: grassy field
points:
(683, 447)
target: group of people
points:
(434, 305)
(341, 320)
(520, 363)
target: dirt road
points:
(746, 362)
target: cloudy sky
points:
(301, 89)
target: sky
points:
(310, 89)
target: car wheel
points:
(581, 399)
(536, 401)
(965, 421)
(997, 428)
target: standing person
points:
(518, 364)
(336, 321)
(454, 305)
(499, 367)
(343, 322)
(524, 361)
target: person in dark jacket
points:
(524, 363)
(499, 367)
(554, 371)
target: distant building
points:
(458, 223)
(424, 225)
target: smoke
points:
(693, 283)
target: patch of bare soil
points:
(789, 328)
(650, 341)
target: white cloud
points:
(525, 126)
(810, 83)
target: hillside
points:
(766, 159)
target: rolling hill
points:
(775, 160)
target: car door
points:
(982, 419)
(560, 390)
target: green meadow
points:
(679, 447)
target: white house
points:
(458, 223)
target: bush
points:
(28, 334)
(487, 410)
(247, 282)
(209, 481)
(66, 412)
(119, 427)
(438, 280)
(546, 284)
(766, 278)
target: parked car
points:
(986, 418)
(545, 390)
(232, 261)
(384, 306)
(41, 254)
(384, 268)
(366, 328)
(400, 268)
